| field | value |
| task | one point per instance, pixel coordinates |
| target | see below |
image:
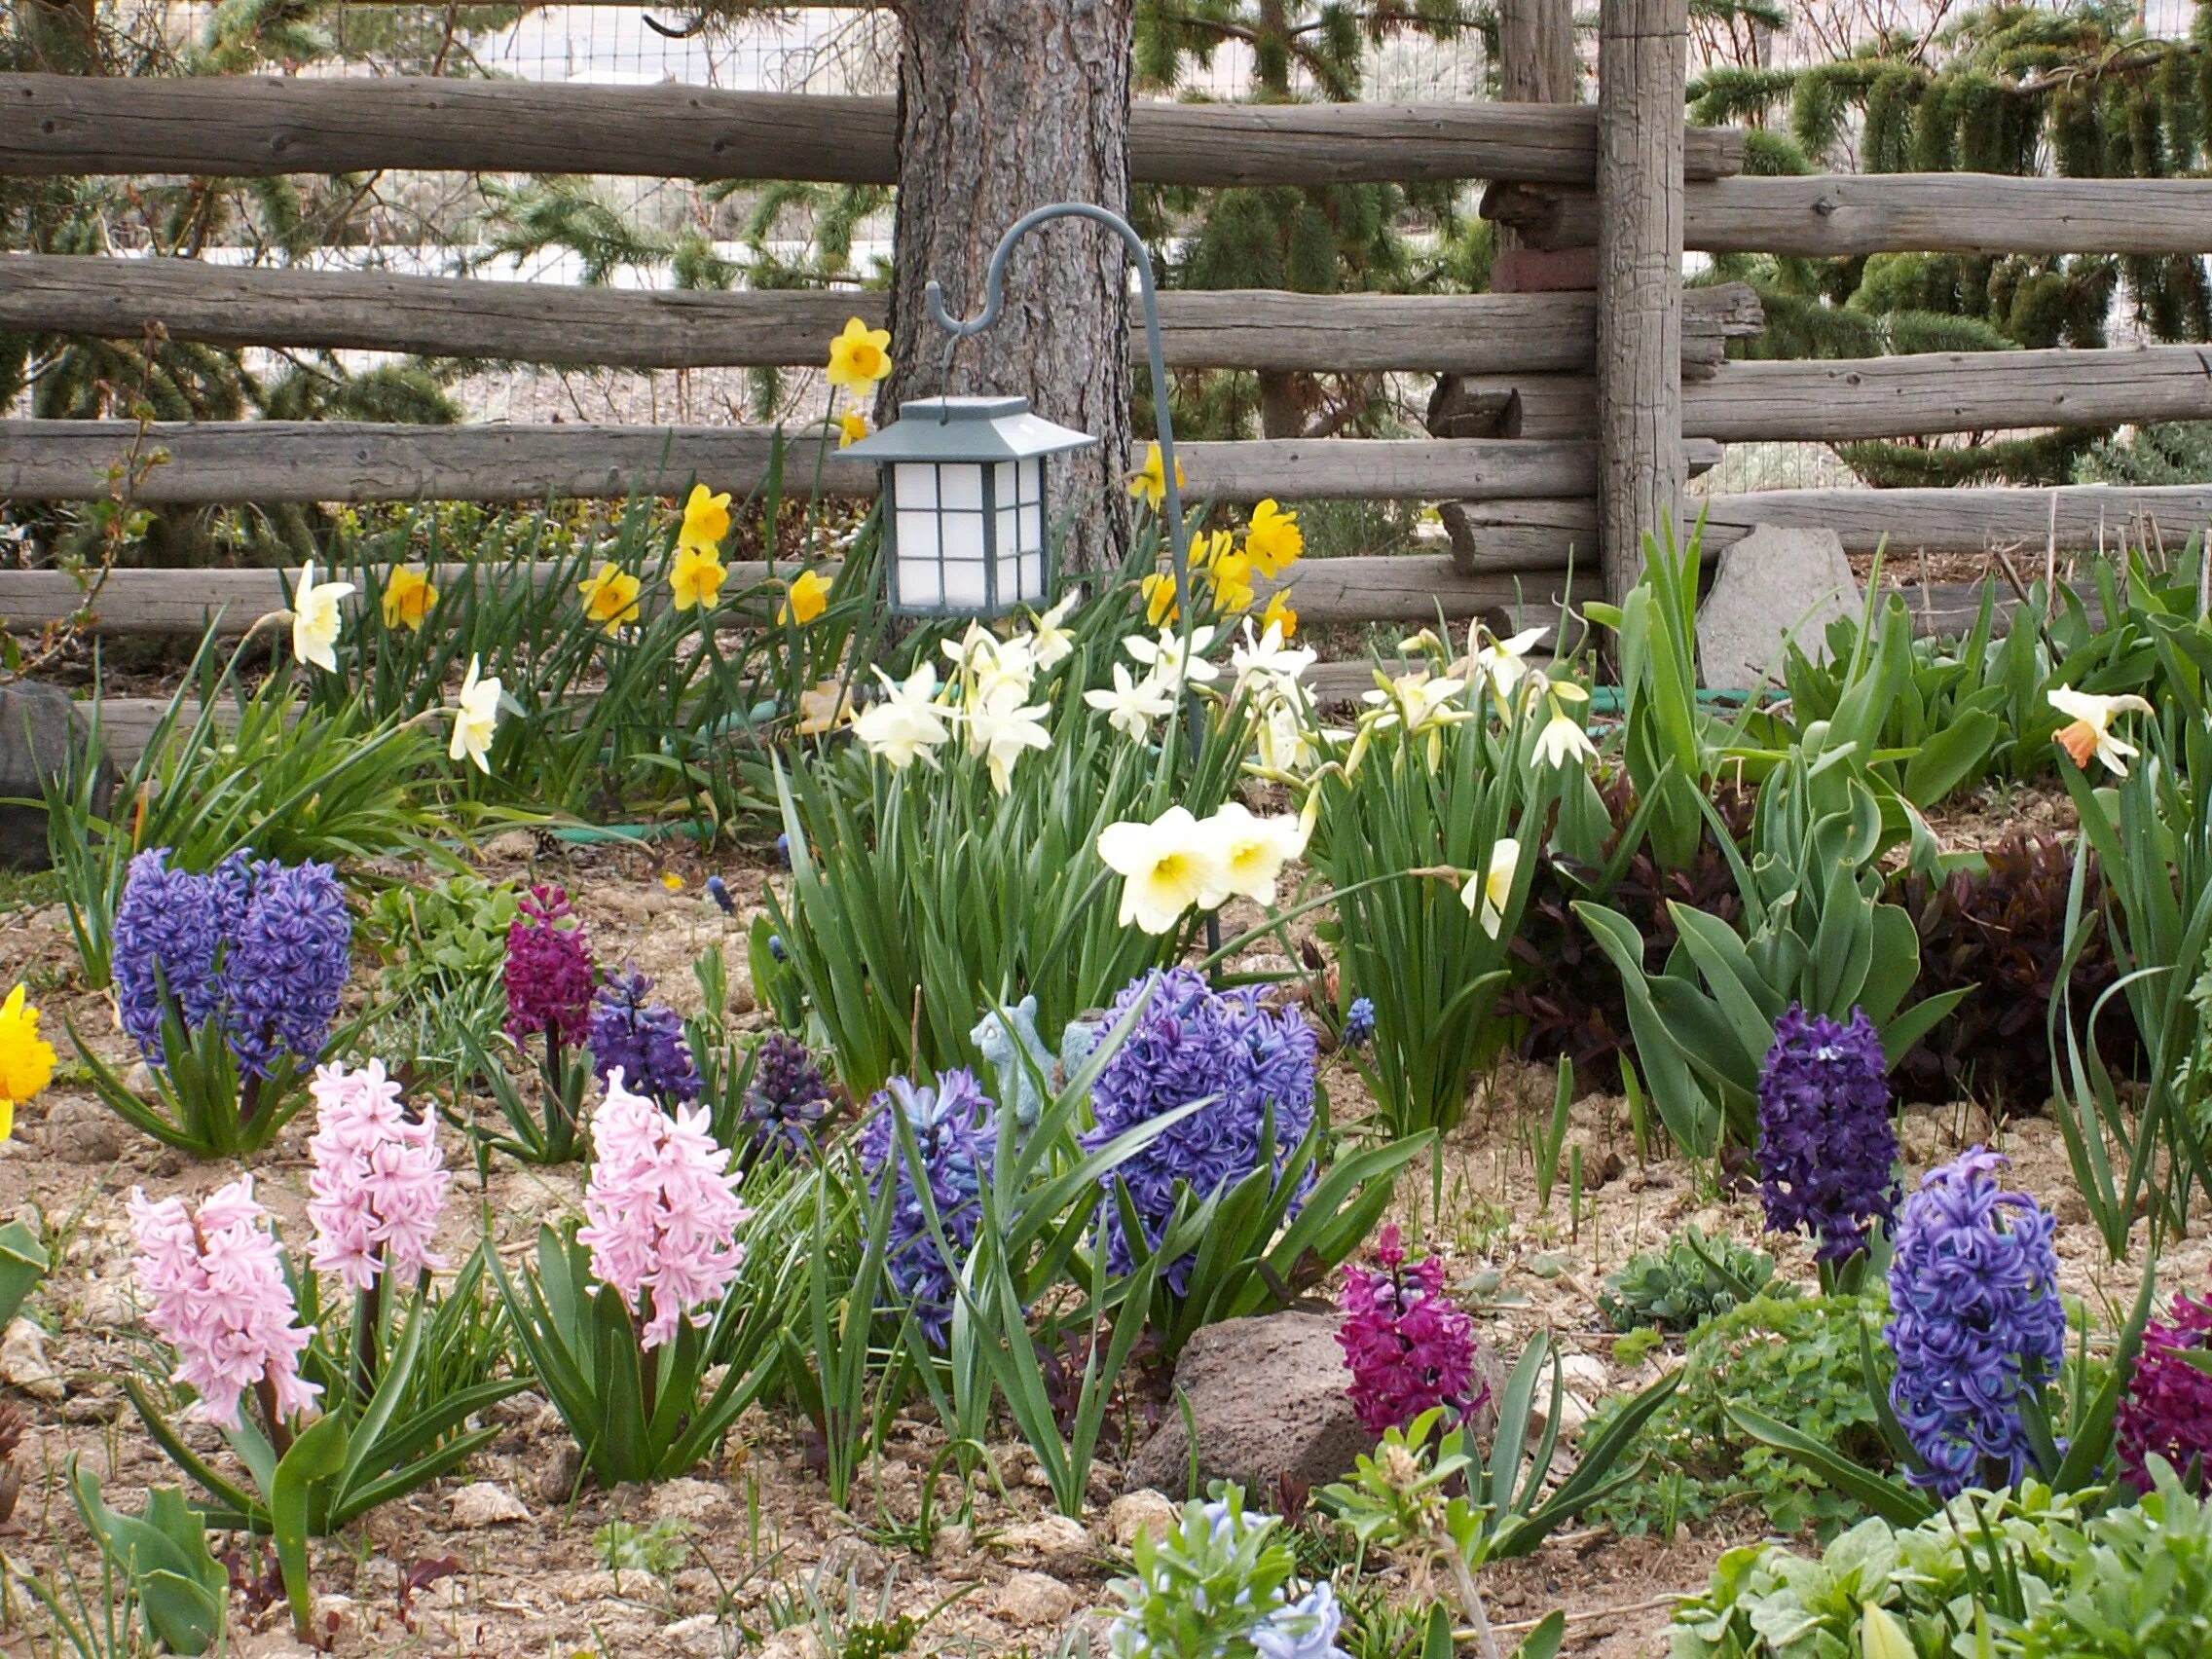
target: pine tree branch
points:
(1331, 79)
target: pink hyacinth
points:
(379, 1184)
(1407, 1345)
(662, 1211)
(216, 1287)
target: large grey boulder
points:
(1774, 584)
(39, 729)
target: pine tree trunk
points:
(1005, 106)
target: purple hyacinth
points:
(1977, 1319)
(1190, 1044)
(2168, 1408)
(1828, 1149)
(549, 970)
(956, 1132)
(1407, 1345)
(786, 1096)
(285, 969)
(642, 1040)
(266, 946)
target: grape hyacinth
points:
(378, 1182)
(642, 1040)
(1360, 1023)
(1193, 1043)
(2168, 1408)
(1977, 1319)
(1828, 1149)
(216, 1293)
(549, 970)
(661, 1212)
(266, 946)
(786, 1097)
(956, 1133)
(1408, 1347)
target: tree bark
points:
(1005, 106)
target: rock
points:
(24, 1363)
(1032, 1598)
(795, 1642)
(688, 1499)
(856, 1559)
(564, 1468)
(484, 1504)
(518, 1410)
(336, 1615)
(1574, 1412)
(1056, 1542)
(1773, 584)
(953, 1543)
(82, 1131)
(1266, 1395)
(700, 1636)
(1586, 1374)
(107, 1304)
(41, 732)
(1141, 1511)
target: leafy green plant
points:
(2137, 1585)
(441, 948)
(656, 1550)
(24, 1261)
(1689, 1279)
(181, 1591)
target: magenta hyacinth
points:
(379, 1182)
(214, 1283)
(2168, 1410)
(662, 1211)
(1407, 1345)
(550, 971)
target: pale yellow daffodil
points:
(475, 717)
(1252, 850)
(1166, 867)
(1490, 890)
(906, 721)
(1130, 705)
(317, 619)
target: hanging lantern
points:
(964, 504)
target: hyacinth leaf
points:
(1897, 1504)
(1436, 1641)
(1690, 1116)
(2090, 1433)
(314, 1456)
(1948, 757)
(1749, 1003)
(1543, 1642)
(182, 1590)
(1878, 1396)
(1594, 1479)
(22, 1264)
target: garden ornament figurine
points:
(1020, 1058)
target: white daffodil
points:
(1055, 643)
(1501, 661)
(1268, 656)
(1486, 893)
(1253, 850)
(1284, 739)
(988, 662)
(1418, 698)
(2090, 734)
(474, 718)
(1131, 704)
(1563, 740)
(1166, 866)
(1172, 659)
(907, 722)
(999, 728)
(316, 619)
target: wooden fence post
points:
(1643, 54)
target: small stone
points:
(485, 1504)
(952, 1544)
(699, 1636)
(1142, 1511)
(855, 1560)
(1056, 1542)
(795, 1642)
(518, 1410)
(336, 1614)
(1032, 1598)
(594, 1586)
(107, 1304)
(1586, 1374)
(564, 1468)
(24, 1363)
(510, 844)
(688, 1499)
(1574, 1412)
(84, 1131)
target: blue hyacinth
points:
(642, 1039)
(1977, 1321)
(956, 1134)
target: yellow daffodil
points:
(474, 718)
(907, 722)
(611, 597)
(1273, 542)
(696, 577)
(1487, 894)
(1160, 607)
(1253, 850)
(823, 706)
(408, 599)
(1149, 483)
(1131, 704)
(1232, 578)
(859, 356)
(316, 619)
(1166, 866)
(809, 598)
(1279, 615)
(2091, 735)
(706, 521)
(26, 1060)
(851, 427)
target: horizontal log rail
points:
(631, 328)
(249, 127)
(1839, 215)
(210, 462)
(1538, 536)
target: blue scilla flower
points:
(1978, 1320)
(955, 1133)
(1828, 1149)
(642, 1039)
(1191, 1044)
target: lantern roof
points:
(980, 430)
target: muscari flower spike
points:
(1827, 1148)
(786, 1097)
(956, 1133)
(1409, 1346)
(1359, 1023)
(642, 1040)
(1978, 1320)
